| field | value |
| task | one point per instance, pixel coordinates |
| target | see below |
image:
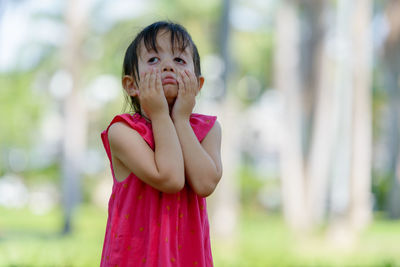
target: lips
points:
(169, 80)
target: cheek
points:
(189, 67)
(145, 68)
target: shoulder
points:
(124, 124)
(215, 131)
(217, 125)
(120, 133)
(118, 128)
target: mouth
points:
(169, 80)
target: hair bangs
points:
(150, 39)
(180, 40)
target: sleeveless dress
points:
(146, 227)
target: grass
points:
(31, 240)
(265, 241)
(261, 240)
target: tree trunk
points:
(312, 39)
(391, 70)
(342, 119)
(361, 206)
(319, 110)
(225, 199)
(75, 121)
(351, 170)
(287, 80)
(335, 90)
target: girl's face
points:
(169, 61)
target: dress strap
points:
(202, 124)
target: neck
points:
(144, 115)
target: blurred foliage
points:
(381, 183)
(379, 99)
(254, 57)
(49, 173)
(249, 183)
(22, 107)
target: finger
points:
(193, 81)
(142, 84)
(141, 78)
(152, 82)
(186, 81)
(181, 85)
(158, 82)
(145, 82)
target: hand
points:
(151, 94)
(188, 88)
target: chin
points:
(171, 102)
(170, 91)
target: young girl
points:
(164, 159)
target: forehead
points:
(164, 42)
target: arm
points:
(202, 161)
(162, 168)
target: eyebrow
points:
(176, 48)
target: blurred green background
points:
(307, 93)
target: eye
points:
(180, 60)
(153, 60)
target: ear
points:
(129, 85)
(201, 82)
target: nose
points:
(168, 66)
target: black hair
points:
(179, 37)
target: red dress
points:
(146, 227)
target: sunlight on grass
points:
(261, 240)
(32, 240)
